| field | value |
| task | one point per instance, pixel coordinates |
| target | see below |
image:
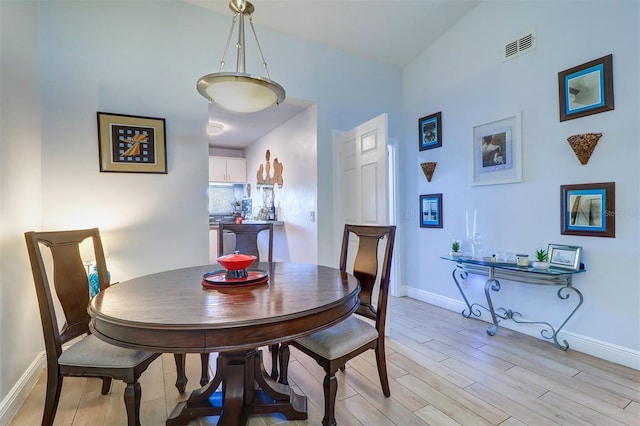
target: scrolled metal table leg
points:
(564, 295)
(491, 284)
(469, 311)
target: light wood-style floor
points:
(443, 370)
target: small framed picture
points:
(431, 211)
(586, 89)
(497, 152)
(588, 209)
(131, 144)
(430, 131)
(565, 257)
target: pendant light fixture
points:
(238, 91)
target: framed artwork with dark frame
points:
(496, 156)
(565, 257)
(588, 209)
(431, 211)
(131, 144)
(430, 131)
(586, 89)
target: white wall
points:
(91, 64)
(20, 180)
(463, 76)
(294, 144)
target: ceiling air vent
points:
(518, 46)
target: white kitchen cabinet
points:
(227, 169)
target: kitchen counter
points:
(275, 222)
(214, 225)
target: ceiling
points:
(389, 31)
(242, 129)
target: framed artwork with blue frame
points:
(430, 131)
(431, 211)
(586, 89)
(588, 209)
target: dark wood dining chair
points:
(246, 236)
(246, 242)
(333, 347)
(89, 356)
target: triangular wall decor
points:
(428, 169)
(583, 145)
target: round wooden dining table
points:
(172, 312)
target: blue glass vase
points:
(94, 283)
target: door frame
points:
(396, 289)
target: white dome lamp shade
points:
(239, 91)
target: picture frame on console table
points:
(588, 209)
(496, 156)
(431, 211)
(565, 257)
(131, 144)
(586, 89)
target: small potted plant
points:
(541, 259)
(455, 249)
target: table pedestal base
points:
(246, 389)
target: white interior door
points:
(362, 179)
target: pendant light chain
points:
(226, 47)
(264, 63)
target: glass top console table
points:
(496, 271)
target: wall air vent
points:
(511, 49)
(517, 47)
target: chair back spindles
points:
(69, 280)
(367, 268)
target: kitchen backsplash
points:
(222, 198)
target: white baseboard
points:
(607, 351)
(10, 405)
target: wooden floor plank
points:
(402, 402)
(518, 410)
(486, 411)
(576, 409)
(442, 402)
(505, 349)
(432, 416)
(470, 356)
(498, 380)
(585, 392)
(593, 365)
(580, 394)
(612, 385)
(429, 369)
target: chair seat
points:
(340, 339)
(93, 352)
